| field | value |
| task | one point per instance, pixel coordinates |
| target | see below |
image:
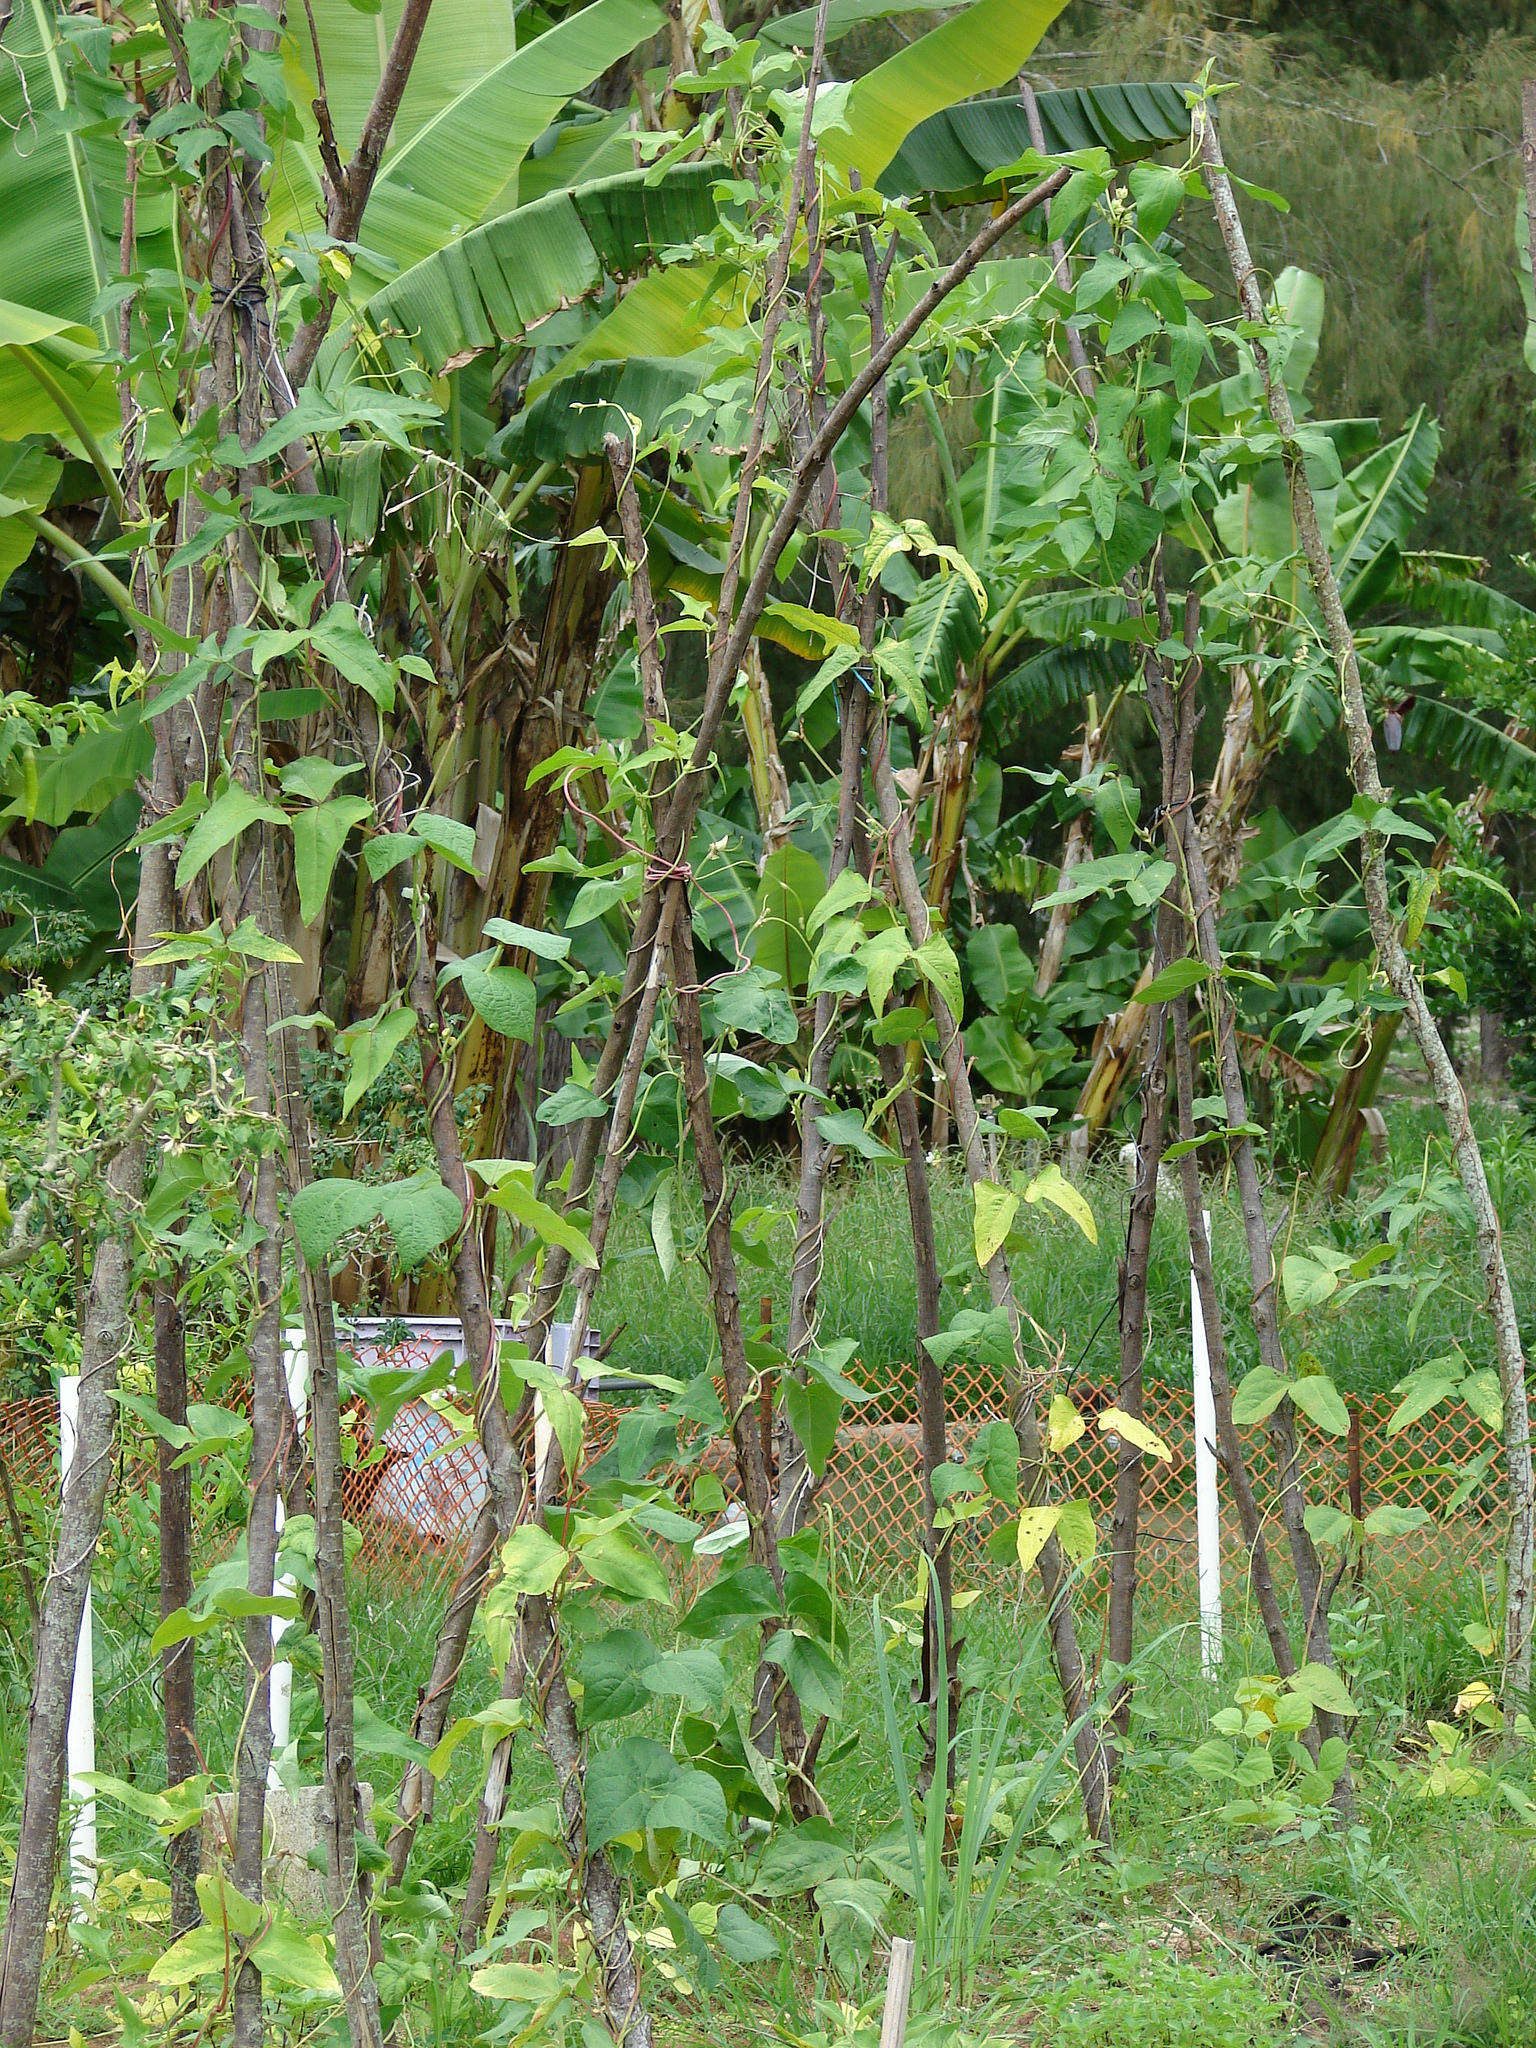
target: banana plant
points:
(1282, 696)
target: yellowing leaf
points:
(1063, 1425)
(1052, 1186)
(1035, 1525)
(995, 1210)
(1115, 1421)
(531, 1560)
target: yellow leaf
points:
(1115, 1422)
(1052, 1186)
(995, 1210)
(1474, 1695)
(1035, 1525)
(1064, 1425)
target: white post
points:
(80, 1741)
(1207, 1513)
(558, 1351)
(296, 1372)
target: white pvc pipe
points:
(296, 1372)
(80, 1741)
(558, 1351)
(1207, 1512)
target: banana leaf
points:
(51, 249)
(29, 475)
(941, 628)
(458, 164)
(973, 52)
(578, 151)
(798, 30)
(1054, 679)
(567, 424)
(1381, 501)
(1453, 736)
(666, 314)
(951, 155)
(495, 282)
(1451, 587)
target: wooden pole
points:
(898, 1994)
(1356, 1486)
(766, 1388)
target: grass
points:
(1161, 1949)
(1066, 1284)
(1179, 1941)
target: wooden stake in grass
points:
(898, 1994)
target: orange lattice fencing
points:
(415, 1502)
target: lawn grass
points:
(1067, 1285)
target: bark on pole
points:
(178, 1668)
(1399, 970)
(1054, 1574)
(103, 1343)
(341, 1807)
(1229, 1444)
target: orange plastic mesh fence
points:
(415, 1503)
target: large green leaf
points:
(1451, 587)
(458, 164)
(52, 379)
(974, 51)
(568, 423)
(51, 254)
(463, 42)
(1382, 500)
(576, 152)
(1453, 736)
(1054, 679)
(667, 313)
(798, 30)
(28, 477)
(951, 155)
(941, 628)
(497, 280)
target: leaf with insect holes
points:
(1052, 1186)
(1115, 1422)
(1036, 1526)
(995, 1209)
